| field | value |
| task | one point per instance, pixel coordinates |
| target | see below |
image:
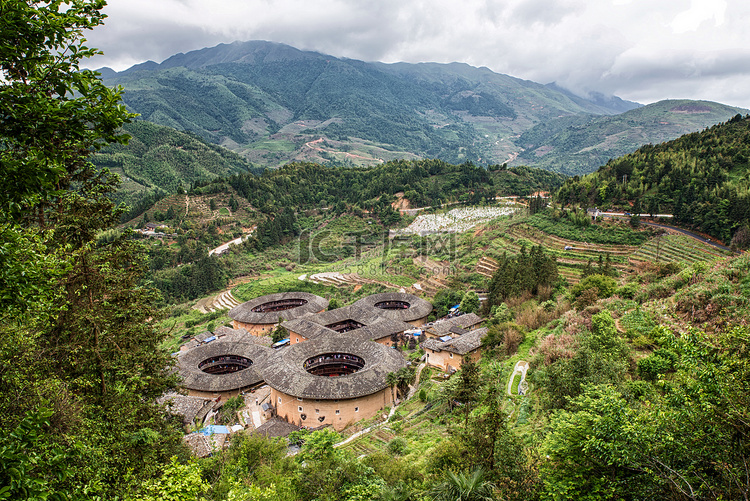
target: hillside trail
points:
(521, 367)
(412, 391)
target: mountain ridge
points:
(269, 101)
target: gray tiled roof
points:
(418, 307)
(353, 312)
(196, 379)
(284, 372)
(307, 328)
(383, 328)
(460, 345)
(443, 327)
(244, 312)
(431, 344)
(187, 407)
(275, 427)
(375, 326)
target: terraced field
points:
(678, 248)
(488, 244)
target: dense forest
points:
(424, 183)
(701, 178)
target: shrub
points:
(587, 298)
(397, 446)
(512, 339)
(652, 366)
(532, 316)
(627, 291)
(557, 346)
(606, 286)
(230, 407)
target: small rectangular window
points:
(299, 398)
(279, 400)
(317, 411)
(338, 411)
(450, 355)
(299, 408)
(356, 409)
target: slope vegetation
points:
(572, 145)
(702, 178)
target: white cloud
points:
(637, 49)
(699, 12)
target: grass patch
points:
(274, 146)
(514, 384)
(600, 233)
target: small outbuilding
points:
(455, 325)
(448, 355)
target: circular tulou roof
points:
(196, 379)
(283, 370)
(244, 312)
(418, 307)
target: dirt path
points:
(315, 142)
(412, 391)
(521, 367)
(237, 241)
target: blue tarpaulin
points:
(215, 429)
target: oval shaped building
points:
(259, 316)
(222, 368)
(397, 306)
(332, 380)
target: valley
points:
(270, 102)
(257, 273)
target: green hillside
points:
(572, 145)
(253, 96)
(274, 104)
(159, 160)
(702, 178)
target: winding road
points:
(691, 234)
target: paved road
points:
(689, 233)
(223, 247)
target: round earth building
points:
(330, 381)
(260, 315)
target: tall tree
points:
(77, 333)
(468, 385)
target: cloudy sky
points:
(641, 50)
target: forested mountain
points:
(573, 144)
(270, 101)
(159, 160)
(702, 178)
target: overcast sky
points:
(640, 50)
